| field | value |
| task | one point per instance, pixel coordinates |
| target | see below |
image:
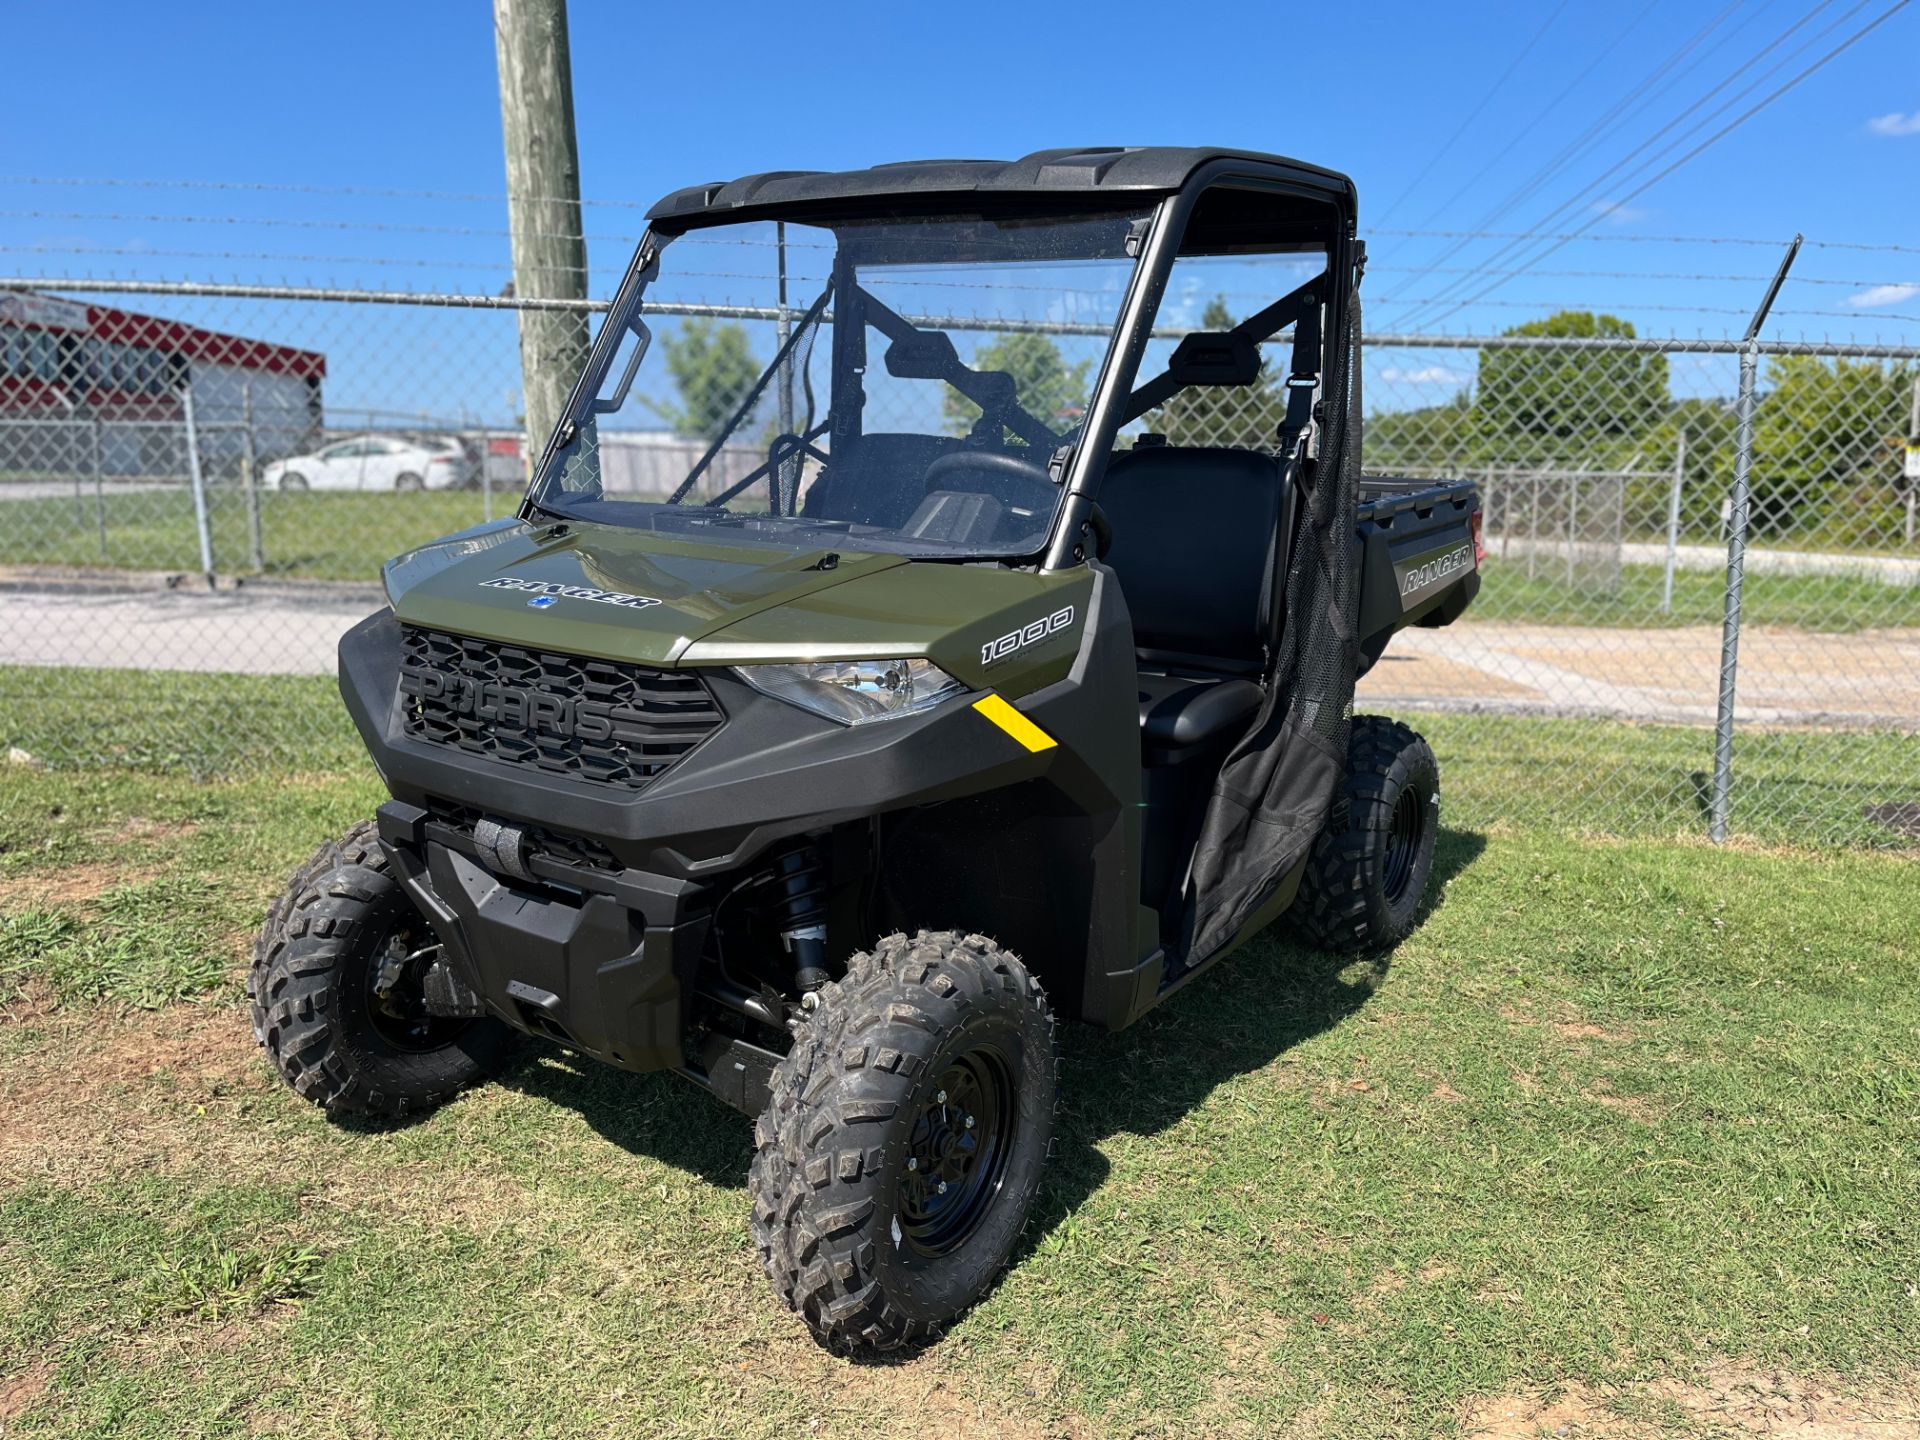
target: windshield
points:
(895, 384)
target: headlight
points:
(856, 691)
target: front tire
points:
(336, 998)
(409, 484)
(903, 1139)
(1368, 869)
(293, 483)
(360, 846)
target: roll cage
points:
(1203, 203)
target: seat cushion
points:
(1194, 531)
(1177, 711)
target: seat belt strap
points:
(1302, 381)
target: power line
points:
(1594, 130)
(1474, 114)
(1711, 140)
(1642, 97)
(1594, 186)
(1522, 131)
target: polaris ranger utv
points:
(988, 658)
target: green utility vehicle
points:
(986, 656)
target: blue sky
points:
(1437, 100)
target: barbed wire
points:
(299, 223)
(1703, 345)
(288, 188)
(507, 267)
(1776, 243)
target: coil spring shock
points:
(799, 907)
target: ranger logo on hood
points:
(551, 591)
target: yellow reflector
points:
(1014, 723)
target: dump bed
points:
(1420, 554)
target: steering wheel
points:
(1013, 481)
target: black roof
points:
(1108, 170)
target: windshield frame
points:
(626, 313)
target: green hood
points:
(698, 587)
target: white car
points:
(373, 462)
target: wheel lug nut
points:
(912, 1163)
(941, 1098)
(941, 1188)
(969, 1122)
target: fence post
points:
(1573, 519)
(1736, 573)
(1487, 518)
(1913, 446)
(1533, 521)
(250, 459)
(1737, 553)
(199, 487)
(1673, 518)
(99, 490)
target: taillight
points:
(1479, 545)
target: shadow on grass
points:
(1251, 1009)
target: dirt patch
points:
(75, 885)
(30, 1000)
(1631, 1106)
(139, 830)
(1585, 1030)
(18, 1393)
(1727, 1400)
(69, 1102)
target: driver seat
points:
(1194, 531)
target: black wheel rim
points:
(1403, 842)
(396, 1005)
(957, 1153)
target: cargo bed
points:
(1420, 557)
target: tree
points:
(713, 367)
(1432, 439)
(1046, 386)
(1247, 416)
(1572, 407)
(1827, 441)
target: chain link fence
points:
(199, 483)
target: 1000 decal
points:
(1029, 635)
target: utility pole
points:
(543, 203)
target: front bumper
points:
(605, 970)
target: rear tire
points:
(1368, 869)
(409, 484)
(334, 1033)
(903, 1139)
(293, 482)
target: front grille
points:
(599, 720)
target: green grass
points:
(1791, 787)
(349, 537)
(310, 536)
(1832, 604)
(175, 720)
(1620, 1110)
